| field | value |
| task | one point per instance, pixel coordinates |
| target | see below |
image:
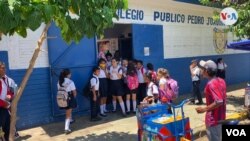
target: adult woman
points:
(65, 82)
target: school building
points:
(166, 33)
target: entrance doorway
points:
(120, 40)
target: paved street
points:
(116, 128)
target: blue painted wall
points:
(34, 107)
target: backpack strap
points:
(142, 70)
(120, 68)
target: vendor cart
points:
(156, 124)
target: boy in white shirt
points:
(94, 97)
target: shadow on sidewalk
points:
(236, 101)
(109, 136)
(82, 122)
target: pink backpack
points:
(133, 82)
(171, 90)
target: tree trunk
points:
(24, 82)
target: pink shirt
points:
(102, 55)
(215, 91)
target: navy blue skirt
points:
(103, 87)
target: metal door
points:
(79, 58)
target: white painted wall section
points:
(20, 50)
(181, 39)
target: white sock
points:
(101, 109)
(123, 107)
(104, 107)
(114, 105)
(67, 123)
(128, 105)
(134, 105)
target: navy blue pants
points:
(141, 92)
(196, 91)
(94, 106)
(5, 122)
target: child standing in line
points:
(132, 86)
(103, 87)
(94, 97)
(109, 58)
(116, 85)
(150, 68)
(152, 90)
(141, 72)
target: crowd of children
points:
(129, 83)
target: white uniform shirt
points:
(141, 75)
(222, 66)
(102, 74)
(94, 82)
(152, 89)
(4, 89)
(162, 81)
(113, 72)
(196, 72)
(68, 84)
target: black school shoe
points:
(67, 131)
(96, 119)
(103, 115)
(72, 121)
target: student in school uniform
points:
(162, 75)
(131, 86)
(109, 58)
(69, 85)
(103, 86)
(221, 71)
(124, 77)
(152, 90)
(94, 97)
(141, 72)
(5, 98)
(150, 69)
(116, 85)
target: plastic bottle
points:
(247, 95)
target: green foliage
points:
(242, 27)
(90, 18)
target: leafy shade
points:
(90, 17)
(242, 27)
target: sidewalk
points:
(116, 128)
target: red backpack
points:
(133, 82)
